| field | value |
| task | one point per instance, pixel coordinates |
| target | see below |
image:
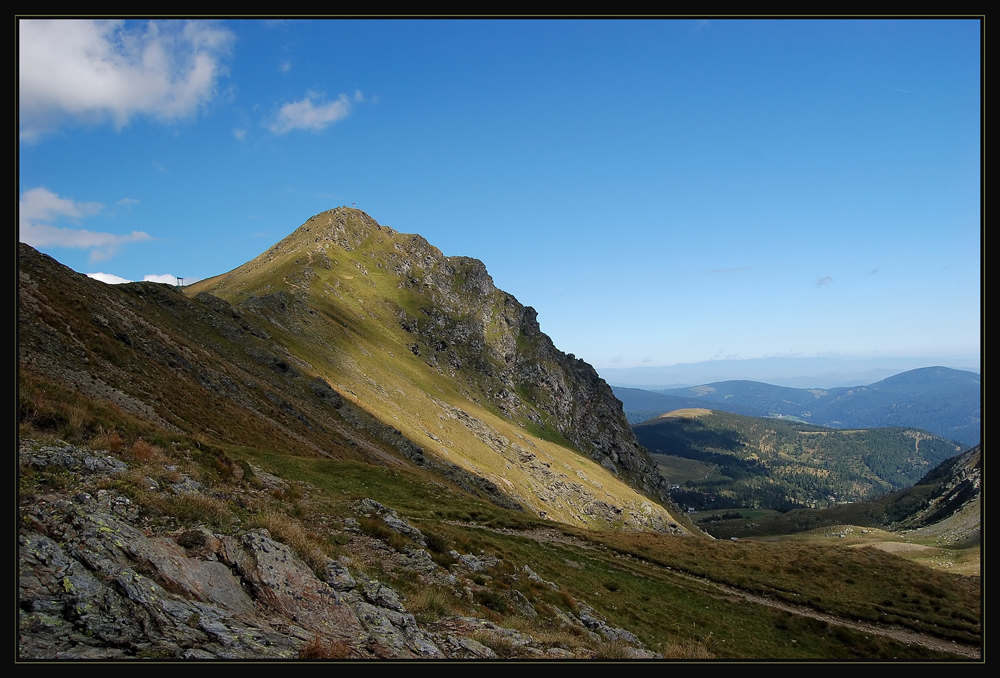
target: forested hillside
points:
(768, 463)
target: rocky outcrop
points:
(96, 581)
(951, 510)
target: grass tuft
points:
(431, 604)
(331, 649)
(290, 532)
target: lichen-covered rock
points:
(96, 581)
(391, 519)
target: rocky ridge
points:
(447, 313)
(463, 325)
(952, 510)
(98, 579)
(280, 363)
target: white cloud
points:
(307, 114)
(165, 278)
(112, 279)
(93, 70)
(108, 278)
(40, 206)
(169, 279)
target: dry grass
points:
(504, 647)
(518, 623)
(692, 649)
(145, 453)
(614, 649)
(431, 604)
(112, 440)
(330, 649)
(192, 508)
(568, 600)
(686, 413)
(290, 531)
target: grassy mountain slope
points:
(754, 462)
(427, 345)
(334, 381)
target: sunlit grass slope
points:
(423, 343)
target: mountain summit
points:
(428, 345)
(349, 340)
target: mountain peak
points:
(353, 340)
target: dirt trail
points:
(898, 633)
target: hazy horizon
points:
(795, 372)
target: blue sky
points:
(660, 191)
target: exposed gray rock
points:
(473, 646)
(93, 585)
(391, 519)
(187, 485)
(397, 633)
(339, 577)
(71, 458)
(377, 593)
(521, 604)
(420, 561)
(532, 576)
(598, 624)
(479, 563)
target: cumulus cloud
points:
(108, 278)
(95, 70)
(165, 278)
(41, 204)
(310, 113)
(39, 207)
(112, 279)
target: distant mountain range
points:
(812, 372)
(940, 400)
